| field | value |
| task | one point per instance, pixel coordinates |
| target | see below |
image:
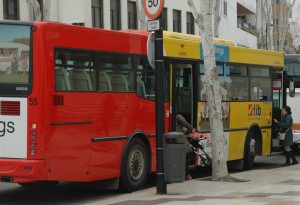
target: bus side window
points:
(141, 90)
(104, 82)
(62, 82)
(119, 83)
(80, 80)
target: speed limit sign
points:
(153, 8)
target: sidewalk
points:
(266, 187)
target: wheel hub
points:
(136, 164)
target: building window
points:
(115, 14)
(132, 14)
(164, 20)
(190, 25)
(97, 13)
(11, 9)
(225, 8)
(176, 20)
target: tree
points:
(264, 19)
(141, 14)
(285, 9)
(34, 10)
(39, 12)
(295, 31)
(217, 16)
(204, 20)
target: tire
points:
(134, 168)
(249, 153)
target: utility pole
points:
(153, 10)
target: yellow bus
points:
(246, 89)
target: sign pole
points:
(161, 187)
(153, 10)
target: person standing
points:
(14, 65)
(286, 126)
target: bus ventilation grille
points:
(11, 108)
(58, 100)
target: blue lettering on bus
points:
(221, 53)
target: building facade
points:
(236, 23)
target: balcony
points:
(246, 7)
(246, 39)
(246, 26)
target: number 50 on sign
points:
(153, 8)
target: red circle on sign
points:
(157, 13)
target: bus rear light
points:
(33, 126)
(33, 134)
(33, 143)
(32, 152)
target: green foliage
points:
(25, 41)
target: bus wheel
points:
(134, 166)
(249, 151)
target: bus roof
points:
(181, 36)
(175, 44)
(93, 38)
(292, 58)
(256, 57)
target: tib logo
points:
(254, 110)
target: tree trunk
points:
(46, 10)
(141, 14)
(205, 23)
(259, 24)
(197, 16)
(219, 158)
(275, 26)
(284, 14)
(270, 18)
(34, 10)
(217, 17)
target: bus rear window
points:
(14, 54)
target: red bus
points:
(77, 105)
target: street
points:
(83, 193)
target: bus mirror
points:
(292, 89)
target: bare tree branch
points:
(141, 14)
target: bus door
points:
(181, 92)
(278, 101)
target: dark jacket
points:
(286, 126)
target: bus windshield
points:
(14, 54)
(14, 59)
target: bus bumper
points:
(19, 171)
